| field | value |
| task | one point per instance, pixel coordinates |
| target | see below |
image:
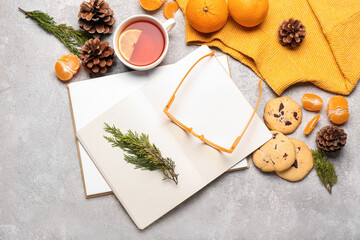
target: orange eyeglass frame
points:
(190, 129)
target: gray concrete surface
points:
(42, 195)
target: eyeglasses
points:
(201, 136)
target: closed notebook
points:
(90, 98)
(144, 195)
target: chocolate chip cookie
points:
(303, 164)
(278, 154)
(282, 114)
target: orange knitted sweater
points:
(329, 56)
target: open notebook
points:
(92, 97)
(208, 92)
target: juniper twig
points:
(324, 169)
(71, 38)
(141, 152)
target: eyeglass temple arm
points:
(187, 73)
(237, 140)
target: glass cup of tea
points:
(141, 41)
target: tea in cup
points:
(141, 42)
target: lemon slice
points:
(127, 42)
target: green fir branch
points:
(141, 152)
(71, 38)
(324, 169)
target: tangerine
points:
(338, 110)
(67, 66)
(312, 102)
(248, 13)
(207, 16)
(151, 5)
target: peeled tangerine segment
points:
(151, 5)
(338, 116)
(127, 42)
(71, 61)
(312, 102)
(170, 9)
(62, 71)
(311, 124)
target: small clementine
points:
(207, 16)
(338, 110)
(248, 13)
(67, 66)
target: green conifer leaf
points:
(140, 152)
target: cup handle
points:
(169, 24)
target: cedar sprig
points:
(141, 152)
(324, 169)
(71, 38)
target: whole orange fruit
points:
(207, 16)
(248, 13)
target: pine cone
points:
(291, 33)
(97, 56)
(96, 18)
(331, 139)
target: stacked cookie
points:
(290, 158)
